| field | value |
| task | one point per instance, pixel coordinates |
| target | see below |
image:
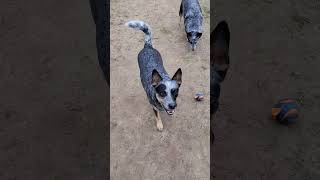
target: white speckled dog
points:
(192, 14)
(161, 90)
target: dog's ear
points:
(219, 47)
(198, 35)
(178, 76)
(156, 78)
(220, 39)
(189, 36)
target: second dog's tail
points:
(143, 27)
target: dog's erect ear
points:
(219, 47)
(156, 78)
(220, 39)
(189, 36)
(199, 35)
(178, 76)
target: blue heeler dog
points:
(192, 14)
(219, 65)
(161, 90)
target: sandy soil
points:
(138, 150)
(274, 54)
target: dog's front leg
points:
(158, 119)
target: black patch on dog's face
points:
(174, 93)
(161, 90)
(193, 37)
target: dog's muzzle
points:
(170, 112)
(193, 46)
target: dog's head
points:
(193, 38)
(167, 90)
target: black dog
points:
(161, 90)
(192, 14)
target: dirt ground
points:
(274, 54)
(138, 150)
(53, 95)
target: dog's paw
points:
(159, 126)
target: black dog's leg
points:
(101, 19)
(158, 120)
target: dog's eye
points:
(199, 35)
(163, 94)
(161, 90)
(174, 92)
(189, 36)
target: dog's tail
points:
(143, 27)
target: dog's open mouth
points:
(170, 112)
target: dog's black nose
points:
(172, 106)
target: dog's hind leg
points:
(158, 120)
